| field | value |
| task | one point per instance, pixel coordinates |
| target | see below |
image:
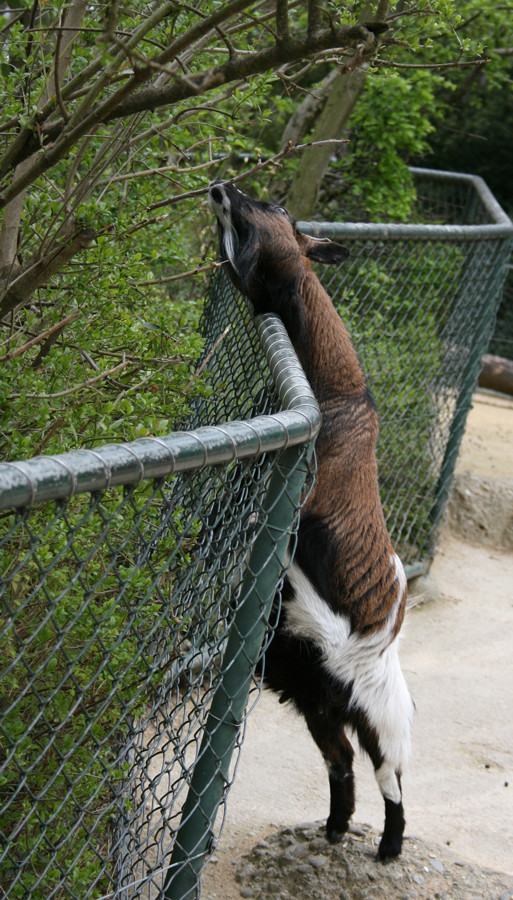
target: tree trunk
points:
(315, 160)
(13, 210)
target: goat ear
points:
(325, 251)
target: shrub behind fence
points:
(136, 580)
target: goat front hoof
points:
(390, 847)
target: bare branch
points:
(161, 170)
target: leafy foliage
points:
(390, 124)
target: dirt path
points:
(457, 657)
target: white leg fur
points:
(370, 663)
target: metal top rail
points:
(497, 225)
(26, 482)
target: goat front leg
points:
(329, 735)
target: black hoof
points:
(390, 847)
(392, 840)
(335, 832)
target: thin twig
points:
(207, 358)
(161, 170)
(78, 387)
(168, 278)
(57, 84)
(450, 65)
(261, 164)
(40, 337)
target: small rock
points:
(305, 869)
(318, 862)
(319, 844)
(299, 850)
(437, 865)
(247, 871)
(247, 892)
(263, 844)
(353, 829)
(419, 879)
(507, 895)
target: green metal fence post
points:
(194, 837)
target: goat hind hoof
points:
(390, 847)
(334, 833)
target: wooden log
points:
(496, 374)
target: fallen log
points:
(496, 374)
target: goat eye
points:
(282, 211)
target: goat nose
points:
(215, 194)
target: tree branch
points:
(79, 387)
(59, 138)
(48, 333)
(448, 65)
(37, 272)
(282, 20)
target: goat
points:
(334, 650)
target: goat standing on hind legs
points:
(334, 652)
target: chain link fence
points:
(419, 301)
(136, 581)
(136, 586)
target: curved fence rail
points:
(136, 580)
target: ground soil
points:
(457, 657)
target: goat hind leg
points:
(338, 754)
(386, 756)
(392, 839)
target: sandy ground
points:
(457, 657)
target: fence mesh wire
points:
(132, 613)
(116, 607)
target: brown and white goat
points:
(334, 652)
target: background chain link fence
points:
(419, 301)
(136, 581)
